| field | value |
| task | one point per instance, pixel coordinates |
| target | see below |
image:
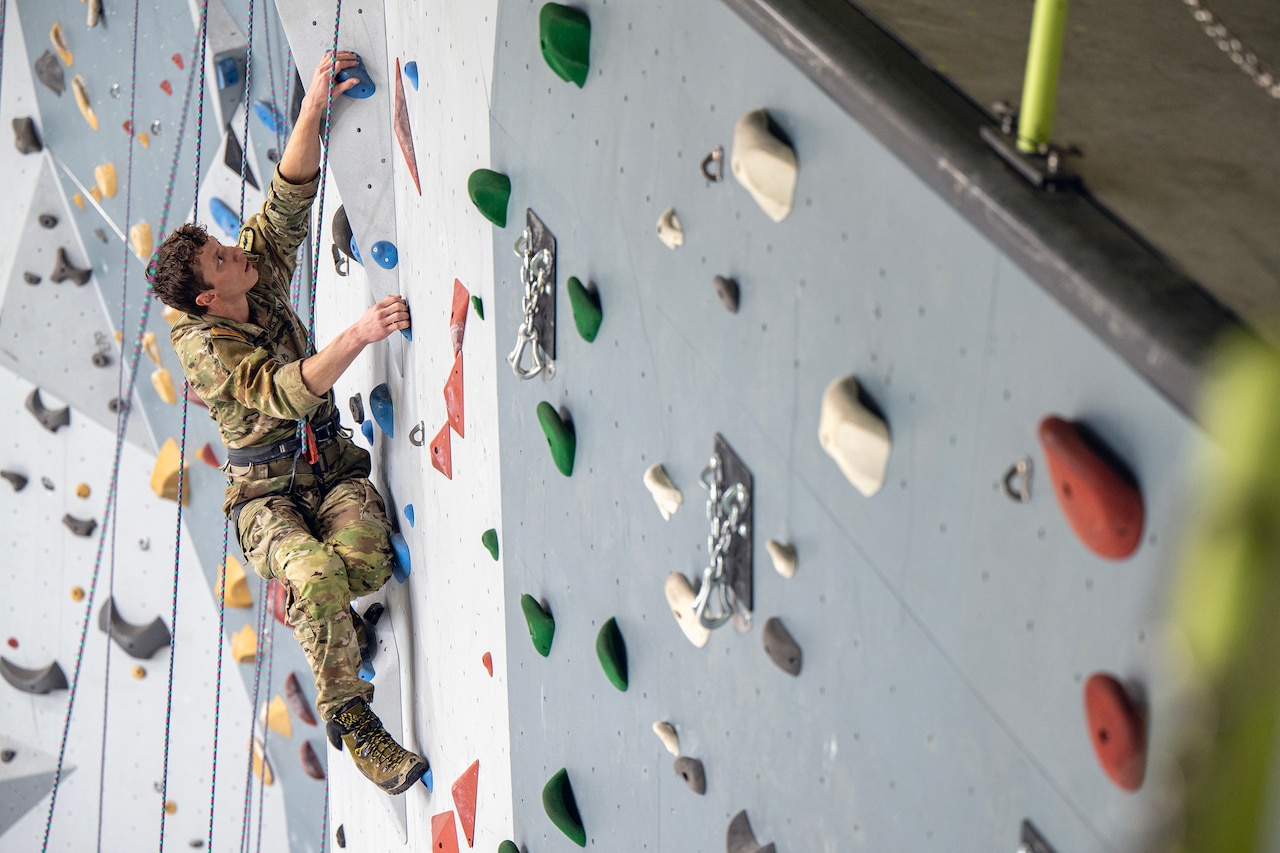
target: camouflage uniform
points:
(320, 529)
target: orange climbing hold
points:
(458, 315)
(208, 457)
(244, 645)
(444, 837)
(442, 452)
(453, 397)
(1117, 729)
(164, 477)
(404, 134)
(163, 383)
(166, 87)
(177, 60)
(1095, 491)
(464, 800)
(487, 660)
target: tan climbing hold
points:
(665, 494)
(170, 807)
(94, 13)
(237, 586)
(164, 477)
(59, 40)
(680, 596)
(149, 346)
(78, 200)
(139, 672)
(261, 765)
(82, 490)
(104, 177)
(143, 244)
(244, 645)
(764, 164)
(853, 435)
(163, 383)
(783, 556)
(144, 139)
(170, 315)
(669, 230)
(77, 593)
(95, 194)
(667, 734)
(81, 91)
(275, 716)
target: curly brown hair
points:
(175, 278)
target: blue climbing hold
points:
(411, 71)
(408, 334)
(385, 254)
(408, 513)
(403, 564)
(428, 780)
(225, 217)
(383, 412)
(367, 672)
(367, 429)
(364, 88)
(355, 251)
(228, 72)
(268, 115)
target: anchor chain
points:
(534, 269)
(716, 602)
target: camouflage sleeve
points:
(227, 368)
(275, 232)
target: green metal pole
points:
(1040, 86)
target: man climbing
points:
(298, 491)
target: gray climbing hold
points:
(740, 839)
(63, 270)
(7, 755)
(233, 158)
(781, 648)
(47, 220)
(80, 526)
(342, 236)
(18, 481)
(49, 72)
(25, 137)
(727, 290)
(690, 770)
(356, 404)
(341, 835)
(139, 641)
(38, 681)
(31, 278)
(50, 419)
(100, 234)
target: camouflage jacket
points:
(250, 374)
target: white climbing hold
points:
(680, 596)
(667, 734)
(764, 164)
(665, 494)
(783, 556)
(669, 230)
(854, 436)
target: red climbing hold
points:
(444, 837)
(487, 660)
(128, 127)
(310, 761)
(297, 700)
(464, 799)
(404, 134)
(442, 452)
(458, 314)
(167, 87)
(453, 397)
(1096, 493)
(192, 396)
(208, 457)
(13, 642)
(1117, 729)
(277, 599)
(177, 60)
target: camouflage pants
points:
(326, 541)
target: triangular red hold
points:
(208, 457)
(404, 134)
(458, 315)
(464, 799)
(444, 837)
(1117, 730)
(453, 397)
(442, 452)
(277, 599)
(1100, 501)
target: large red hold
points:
(464, 800)
(442, 452)
(1118, 730)
(1096, 493)
(444, 836)
(453, 402)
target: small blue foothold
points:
(364, 88)
(225, 217)
(268, 115)
(355, 251)
(367, 429)
(383, 412)
(385, 254)
(408, 333)
(411, 71)
(408, 513)
(228, 72)
(367, 671)
(428, 780)
(403, 564)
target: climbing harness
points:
(717, 602)
(535, 269)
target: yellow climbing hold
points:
(82, 490)
(104, 175)
(141, 241)
(170, 315)
(244, 645)
(278, 717)
(81, 92)
(170, 807)
(164, 477)
(153, 351)
(96, 193)
(139, 673)
(144, 139)
(163, 383)
(261, 766)
(60, 44)
(79, 200)
(237, 586)
(77, 593)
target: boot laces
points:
(375, 743)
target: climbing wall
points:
(946, 629)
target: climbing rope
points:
(253, 721)
(324, 169)
(248, 99)
(2, 3)
(266, 730)
(217, 688)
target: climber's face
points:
(227, 271)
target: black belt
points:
(284, 449)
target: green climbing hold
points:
(586, 309)
(490, 540)
(558, 801)
(508, 847)
(565, 35)
(477, 306)
(612, 652)
(560, 436)
(542, 625)
(490, 191)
